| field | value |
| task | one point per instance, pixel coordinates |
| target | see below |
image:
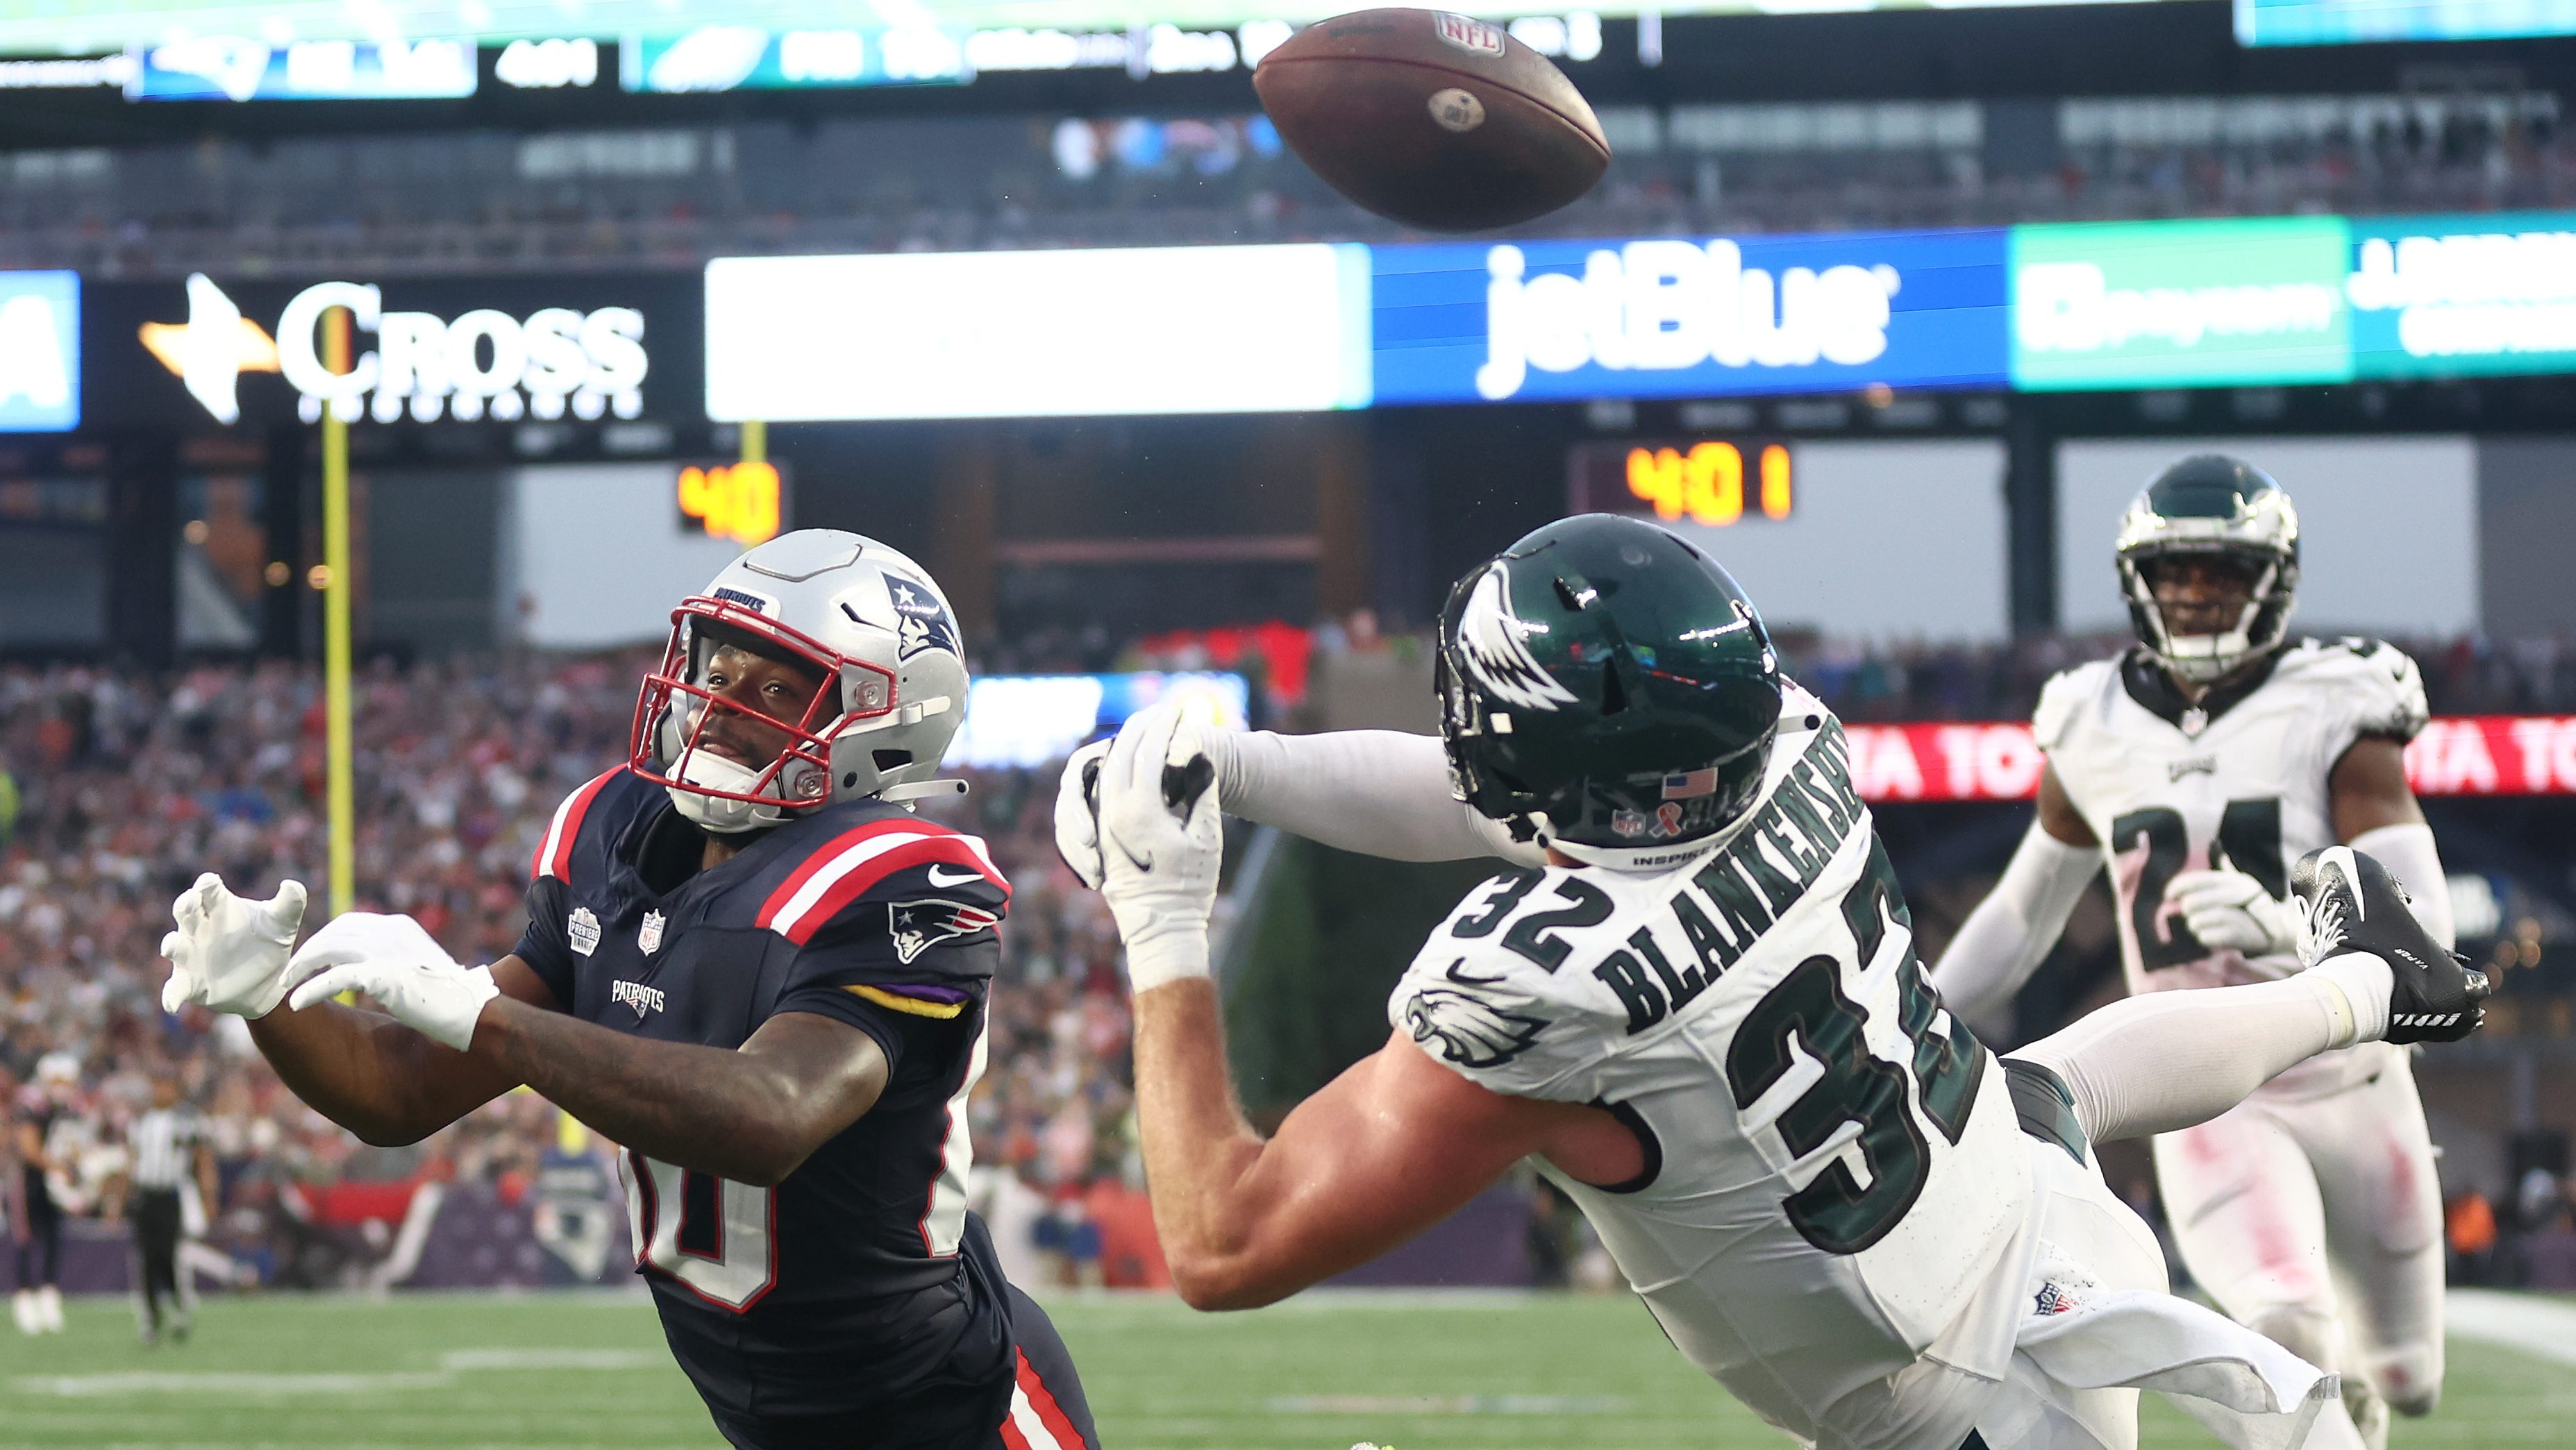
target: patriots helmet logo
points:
(921, 621)
(1471, 1031)
(1493, 644)
(917, 926)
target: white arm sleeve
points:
(2410, 856)
(2169, 1060)
(2006, 938)
(1377, 792)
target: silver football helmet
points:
(2211, 504)
(866, 620)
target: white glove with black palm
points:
(229, 954)
(395, 960)
(1077, 795)
(1161, 845)
(2228, 910)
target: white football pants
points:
(2319, 1222)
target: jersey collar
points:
(2150, 686)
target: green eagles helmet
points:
(1606, 687)
(2212, 505)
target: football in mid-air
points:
(1431, 119)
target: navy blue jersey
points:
(843, 1284)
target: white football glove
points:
(2230, 911)
(394, 960)
(1077, 812)
(1162, 841)
(228, 954)
(1077, 795)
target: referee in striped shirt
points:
(166, 1144)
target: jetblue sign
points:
(39, 352)
(1666, 317)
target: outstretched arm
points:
(2008, 935)
(752, 1115)
(1377, 792)
(381, 1080)
(1386, 1150)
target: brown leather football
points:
(1432, 119)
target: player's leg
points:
(48, 1229)
(2373, 1158)
(1048, 1408)
(2248, 1218)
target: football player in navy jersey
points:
(748, 962)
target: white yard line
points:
(453, 1363)
(2541, 1328)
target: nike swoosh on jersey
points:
(938, 878)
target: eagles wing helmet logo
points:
(1493, 644)
(920, 622)
(1471, 1031)
(918, 926)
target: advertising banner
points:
(2463, 296)
(2180, 304)
(1688, 317)
(1038, 334)
(2479, 755)
(40, 350)
(218, 353)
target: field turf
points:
(1318, 1373)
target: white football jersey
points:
(2237, 780)
(1834, 1166)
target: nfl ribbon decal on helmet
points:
(1490, 640)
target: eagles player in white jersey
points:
(1700, 1010)
(2197, 766)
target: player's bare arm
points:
(2367, 790)
(378, 1078)
(2058, 816)
(1384, 1151)
(752, 1114)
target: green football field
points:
(1319, 1373)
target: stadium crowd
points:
(674, 197)
(118, 786)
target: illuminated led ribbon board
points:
(2474, 755)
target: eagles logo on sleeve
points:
(1471, 1031)
(920, 925)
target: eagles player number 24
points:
(712, 1234)
(2249, 836)
(1834, 1212)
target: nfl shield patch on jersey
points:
(917, 926)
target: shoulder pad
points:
(1486, 995)
(2377, 689)
(901, 857)
(554, 849)
(2066, 692)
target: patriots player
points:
(1698, 1007)
(2197, 766)
(750, 964)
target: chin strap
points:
(920, 790)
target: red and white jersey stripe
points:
(554, 852)
(1036, 1421)
(852, 864)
